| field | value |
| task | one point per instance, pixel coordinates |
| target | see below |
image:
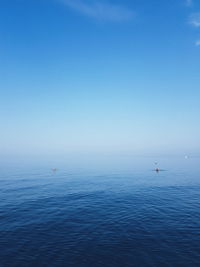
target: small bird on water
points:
(156, 169)
(54, 169)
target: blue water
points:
(119, 214)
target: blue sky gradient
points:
(99, 76)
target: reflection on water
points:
(111, 213)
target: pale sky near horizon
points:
(99, 76)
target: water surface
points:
(101, 214)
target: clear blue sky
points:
(99, 76)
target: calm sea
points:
(101, 213)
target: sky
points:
(99, 76)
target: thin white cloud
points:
(197, 43)
(189, 3)
(194, 19)
(100, 10)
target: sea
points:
(100, 212)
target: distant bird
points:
(54, 169)
(156, 169)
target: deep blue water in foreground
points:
(118, 215)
